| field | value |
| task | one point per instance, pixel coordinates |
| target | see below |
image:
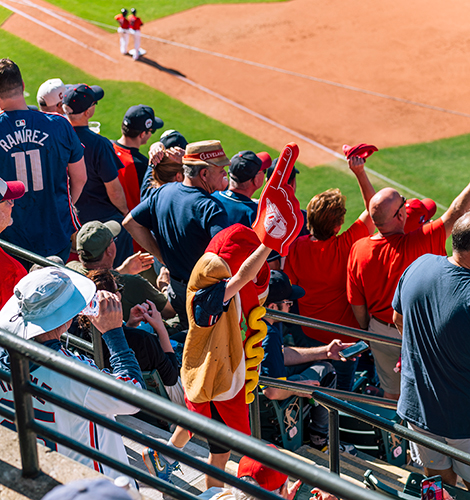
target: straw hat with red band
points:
(11, 190)
(206, 153)
(267, 478)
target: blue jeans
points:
(315, 371)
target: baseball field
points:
(259, 75)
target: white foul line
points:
(52, 13)
(300, 136)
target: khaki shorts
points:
(386, 356)
(437, 461)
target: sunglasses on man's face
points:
(403, 201)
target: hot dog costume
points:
(222, 351)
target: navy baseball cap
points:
(173, 138)
(280, 288)
(142, 118)
(79, 97)
(245, 165)
(270, 171)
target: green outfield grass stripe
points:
(105, 10)
(4, 15)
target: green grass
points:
(4, 15)
(104, 12)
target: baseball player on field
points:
(123, 30)
(134, 29)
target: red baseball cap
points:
(265, 160)
(11, 190)
(267, 478)
(362, 150)
(418, 212)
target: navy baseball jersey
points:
(36, 148)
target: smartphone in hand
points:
(354, 350)
(431, 488)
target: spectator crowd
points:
(164, 247)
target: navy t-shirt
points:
(183, 219)
(36, 148)
(239, 208)
(102, 165)
(433, 296)
(273, 345)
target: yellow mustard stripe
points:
(254, 355)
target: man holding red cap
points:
(246, 174)
(11, 270)
(377, 262)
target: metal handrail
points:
(27, 255)
(334, 405)
(21, 351)
(295, 319)
(270, 313)
(308, 390)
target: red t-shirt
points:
(319, 267)
(124, 23)
(129, 180)
(11, 271)
(128, 176)
(135, 22)
(376, 265)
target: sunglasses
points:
(119, 287)
(288, 302)
(401, 206)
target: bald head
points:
(383, 208)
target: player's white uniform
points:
(72, 425)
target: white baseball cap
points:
(44, 300)
(51, 92)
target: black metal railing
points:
(23, 351)
(330, 327)
(329, 399)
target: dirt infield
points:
(414, 51)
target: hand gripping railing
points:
(21, 351)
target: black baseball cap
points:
(79, 97)
(173, 138)
(270, 171)
(244, 166)
(280, 288)
(142, 118)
